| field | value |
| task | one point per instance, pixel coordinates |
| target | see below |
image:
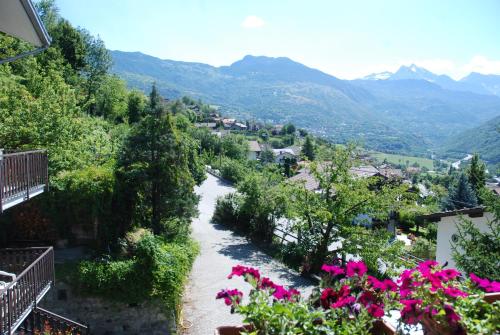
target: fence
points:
(20, 296)
(22, 175)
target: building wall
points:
(447, 227)
(252, 155)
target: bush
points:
(233, 170)
(155, 270)
(227, 210)
(423, 248)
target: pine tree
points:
(461, 195)
(476, 174)
(309, 149)
(154, 163)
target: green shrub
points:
(233, 170)
(227, 210)
(423, 248)
(155, 270)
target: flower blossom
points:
(411, 312)
(485, 284)
(356, 269)
(240, 270)
(454, 292)
(333, 270)
(229, 296)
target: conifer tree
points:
(476, 174)
(461, 195)
(154, 163)
(309, 149)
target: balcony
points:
(23, 175)
(32, 276)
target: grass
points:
(401, 159)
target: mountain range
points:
(474, 82)
(411, 111)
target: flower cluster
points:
(485, 284)
(252, 276)
(230, 296)
(428, 291)
(351, 288)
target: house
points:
(282, 155)
(364, 171)
(277, 129)
(254, 150)
(305, 177)
(26, 274)
(210, 125)
(228, 123)
(238, 126)
(391, 174)
(447, 231)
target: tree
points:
(479, 251)
(461, 195)
(267, 156)
(289, 129)
(136, 103)
(98, 62)
(112, 99)
(324, 217)
(476, 174)
(154, 164)
(309, 149)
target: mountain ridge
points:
(391, 115)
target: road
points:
(220, 250)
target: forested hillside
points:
(409, 116)
(484, 140)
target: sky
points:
(348, 39)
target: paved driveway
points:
(220, 250)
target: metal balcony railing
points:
(34, 275)
(42, 321)
(23, 175)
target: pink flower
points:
(376, 310)
(229, 296)
(356, 269)
(427, 266)
(454, 292)
(494, 287)
(451, 315)
(329, 296)
(375, 283)
(447, 274)
(294, 292)
(390, 285)
(411, 312)
(344, 301)
(266, 283)
(333, 270)
(240, 270)
(366, 298)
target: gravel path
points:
(220, 250)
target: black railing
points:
(34, 270)
(22, 175)
(45, 322)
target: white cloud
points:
(482, 65)
(252, 22)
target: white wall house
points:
(281, 154)
(254, 150)
(447, 229)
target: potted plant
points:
(347, 301)
(444, 302)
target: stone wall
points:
(108, 318)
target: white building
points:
(282, 154)
(447, 229)
(254, 150)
